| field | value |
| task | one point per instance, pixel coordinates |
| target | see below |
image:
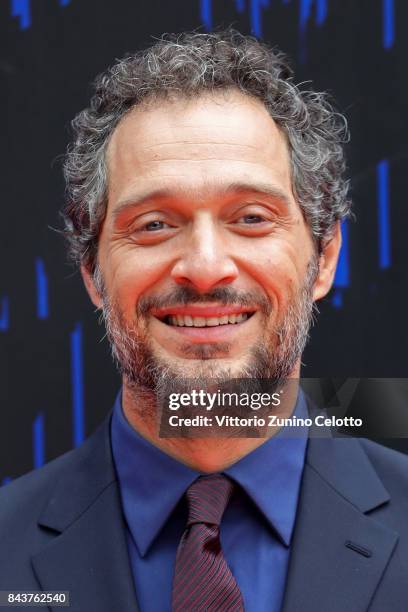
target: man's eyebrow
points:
(267, 189)
(139, 199)
(233, 188)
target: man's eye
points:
(154, 226)
(250, 219)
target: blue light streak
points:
(305, 10)
(321, 12)
(206, 14)
(77, 384)
(388, 23)
(383, 201)
(4, 314)
(255, 13)
(21, 9)
(42, 289)
(342, 276)
(38, 441)
(337, 299)
(6, 480)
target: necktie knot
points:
(207, 499)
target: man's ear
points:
(90, 287)
(327, 264)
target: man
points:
(205, 195)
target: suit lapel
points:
(338, 552)
(88, 555)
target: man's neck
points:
(205, 455)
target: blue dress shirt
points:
(256, 528)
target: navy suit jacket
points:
(62, 528)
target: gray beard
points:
(145, 374)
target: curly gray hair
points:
(186, 65)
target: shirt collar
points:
(152, 483)
(271, 474)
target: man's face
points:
(207, 263)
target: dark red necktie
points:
(203, 582)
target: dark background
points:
(57, 380)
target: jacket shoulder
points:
(27, 495)
(28, 492)
(391, 467)
(58, 490)
(390, 464)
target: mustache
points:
(189, 295)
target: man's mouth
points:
(189, 321)
(204, 316)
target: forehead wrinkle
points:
(200, 152)
(136, 200)
(199, 161)
(206, 143)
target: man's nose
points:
(204, 262)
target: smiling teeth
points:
(188, 321)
